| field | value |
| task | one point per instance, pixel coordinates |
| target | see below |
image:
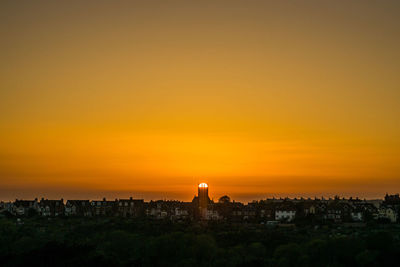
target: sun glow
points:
(113, 104)
(203, 185)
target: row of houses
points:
(287, 210)
(282, 210)
(90, 208)
(335, 211)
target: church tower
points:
(203, 195)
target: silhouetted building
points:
(285, 211)
(78, 208)
(203, 195)
(51, 208)
(201, 202)
(21, 207)
(392, 199)
(203, 199)
(103, 207)
(130, 207)
(337, 210)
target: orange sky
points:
(257, 98)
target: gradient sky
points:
(149, 98)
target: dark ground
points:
(134, 242)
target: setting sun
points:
(203, 185)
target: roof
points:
(77, 202)
(24, 203)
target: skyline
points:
(173, 196)
(258, 99)
(242, 199)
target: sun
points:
(203, 185)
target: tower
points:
(203, 196)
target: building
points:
(392, 199)
(357, 215)
(102, 207)
(78, 208)
(387, 213)
(22, 207)
(6, 207)
(129, 207)
(203, 195)
(203, 200)
(51, 208)
(337, 210)
(285, 213)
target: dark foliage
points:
(37, 241)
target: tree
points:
(224, 200)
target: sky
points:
(149, 98)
